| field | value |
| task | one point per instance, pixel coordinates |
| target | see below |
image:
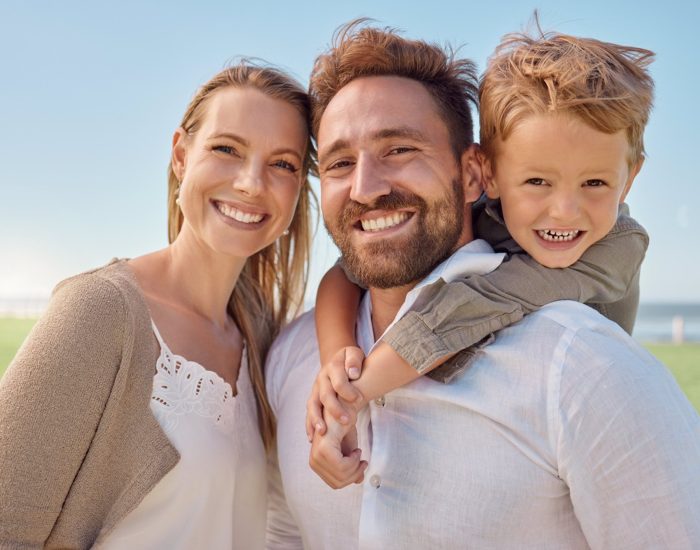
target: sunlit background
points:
(92, 91)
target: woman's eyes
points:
(226, 149)
(286, 165)
(232, 151)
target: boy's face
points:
(560, 183)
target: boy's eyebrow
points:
(404, 132)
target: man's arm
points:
(282, 530)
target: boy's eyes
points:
(535, 181)
(594, 183)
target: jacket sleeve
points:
(51, 401)
(465, 311)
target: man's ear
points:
(178, 157)
(471, 174)
(634, 170)
(490, 186)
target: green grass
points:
(683, 361)
(12, 334)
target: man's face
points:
(393, 194)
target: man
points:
(559, 435)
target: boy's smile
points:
(560, 182)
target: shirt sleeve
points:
(464, 312)
(628, 446)
(51, 401)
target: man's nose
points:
(249, 180)
(368, 181)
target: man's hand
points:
(332, 382)
(334, 455)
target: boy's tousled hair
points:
(359, 51)
(607, 86)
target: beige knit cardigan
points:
(79, 447)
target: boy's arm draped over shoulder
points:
(51, 400)
(464, 312)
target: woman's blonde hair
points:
(607, 86)
(271, 286)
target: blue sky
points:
(92, 91)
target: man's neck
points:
(385, 304)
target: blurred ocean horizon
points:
(654, 323)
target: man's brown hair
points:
(607, 86)
(359, 51)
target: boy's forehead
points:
(553, 139)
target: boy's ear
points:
(490, 187)
(634, 170)
(178, 157)
(470, 166)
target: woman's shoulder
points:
(109, 292)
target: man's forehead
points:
(377, 107)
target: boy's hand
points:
(335, 457)
(332, 382)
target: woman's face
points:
(240, 172)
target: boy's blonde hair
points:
(607, 86)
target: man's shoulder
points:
(295, 348)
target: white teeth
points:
(552, 235)
(238, 215)
(378, 224)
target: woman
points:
(135, 413)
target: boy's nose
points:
(564, 207)
(368, 182)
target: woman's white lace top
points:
(215, 497)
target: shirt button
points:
(380, 401)
(375, 481)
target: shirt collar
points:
(474, 258)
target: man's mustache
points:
(395, 200)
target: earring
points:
(285, 232)
(177, 195)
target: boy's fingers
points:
(330, 402)
(354, 357)
(335, 469)
(314, 414)
(341, 384)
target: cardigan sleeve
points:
(51, 401)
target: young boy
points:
(562, 121)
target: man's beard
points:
(400, 261)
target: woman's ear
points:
(471, 174)
(178, 158)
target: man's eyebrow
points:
(404, 132)
(400, 132)
(334, 147)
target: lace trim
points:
(183, 387)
